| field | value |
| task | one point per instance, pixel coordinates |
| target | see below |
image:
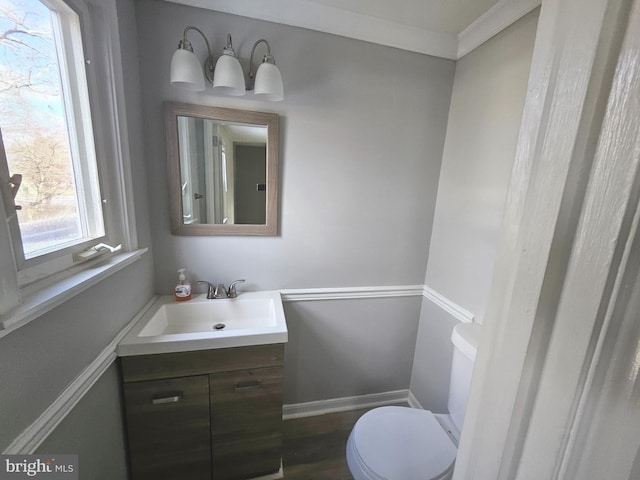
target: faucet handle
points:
(220, 291)
(231, 291)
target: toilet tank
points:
(465, 339)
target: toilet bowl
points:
(399, 443)
(402, 443)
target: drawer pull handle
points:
(250, 385)
(170, 399)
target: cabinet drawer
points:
(168, 365)
(246, 423)
(169, 429)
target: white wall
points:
(362, 133)
(486, 107)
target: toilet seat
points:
(399, 443)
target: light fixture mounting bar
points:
(186, 45)
(267, 58)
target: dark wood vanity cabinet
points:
(246, 420)
(168, 428)
(213, 414)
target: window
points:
(47, 133)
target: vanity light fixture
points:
(268, 80)
(186, 71)
(227, 76)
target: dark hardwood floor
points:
(315, 447)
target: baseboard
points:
(272, 476)
(344, 404)
(30, 439)
(413, 401)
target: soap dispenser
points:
(182, 291)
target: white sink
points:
(252, 318)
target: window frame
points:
(70, 49)
(102, 67)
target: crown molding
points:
(493, 21)
(336, 21)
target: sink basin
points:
(252, 318)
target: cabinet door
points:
(246, 423)
(169, 429)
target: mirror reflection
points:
(223, 167)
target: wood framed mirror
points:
(223, 170)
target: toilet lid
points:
(403, 443)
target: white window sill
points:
(54, 294)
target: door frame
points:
(563, 262)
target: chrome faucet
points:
(219, 291)
(211, 289)
(231, 292)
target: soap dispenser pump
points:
(182, 291)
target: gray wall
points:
(39, 360)
(432, 357)
(362, 133)
(363, 130)
(94, 432)
(486, 106)
(343, 350)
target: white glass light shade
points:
(228, 77)
(268, 85)
(186, 71)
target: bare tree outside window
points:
(34, 127)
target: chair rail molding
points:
(452, 308)
(31, 438)
(345, 293)
(356, 293)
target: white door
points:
(556, 391)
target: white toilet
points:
(402, 443)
